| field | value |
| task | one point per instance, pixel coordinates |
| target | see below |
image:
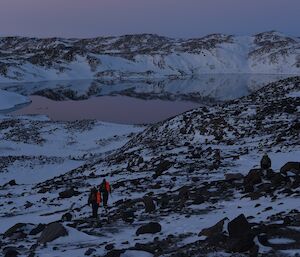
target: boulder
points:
(109, 247)
(10, 252)
(254, 177)
(292, 167)
(233, 176)
(37, 230)
(239, 226)
(161, 167)
(68, 193)
(128, 216)
(214, 230)
(52, 232)
(240, 244)
(14, 229)
(149, 204)
(240, 235)
(67, 217)
(150, 228)
(278, 179)
(11, 183)
(89, 251)
(184, 194)
(115, 253)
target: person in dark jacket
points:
(94, 200)
(265, 162)
(105, 190)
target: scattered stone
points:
(292, 167)
(10, 252)
(253, 177)
(52, 232)
(233, 176)
(161, 167)
(149, 204)
(109, 247)
(239, 226)
(214, 230)
(89, 251)
(240, 235)
(14, 229)
(150, 228)
(68, 193)
(67, 217)
(115, 253)
(37, 230)
(128, 216)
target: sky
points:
(173, 18)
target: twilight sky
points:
(175, 18)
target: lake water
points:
(117, 109)
(133, 102)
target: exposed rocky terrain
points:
(146, 56)
(188, 186)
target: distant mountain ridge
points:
(146, 56)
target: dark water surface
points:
(117, 109)
(133, 102)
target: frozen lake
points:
(134, 102)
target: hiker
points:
(94, 200)
(265, 162)
(105, 190)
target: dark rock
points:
(277, 179)
(217, 240)
(291, 166)
(254, 177)
(240, 235)
(184, 194)
(69, 193)
(43, 190)
(52, 232)
(28, 205)
(14, 229)
(239, 226)
(253, 252)
(150, 228)
(149, 204)
(161, 167)
(115, 253)
(109, 247)
(240, 244)
(214, 230)
(10, 252)
(233, 176)
(37, 230)
(67, 217)
(11, 183)
(128, 216)
(89, 251)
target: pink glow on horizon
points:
(177, 18)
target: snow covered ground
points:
(9, 100)
(180, 166)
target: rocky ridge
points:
(145, 56)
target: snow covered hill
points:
(188, 186)
(146, 56)
(9, 100)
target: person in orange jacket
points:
(95, 201)
(105, 190)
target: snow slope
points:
(9, 100)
